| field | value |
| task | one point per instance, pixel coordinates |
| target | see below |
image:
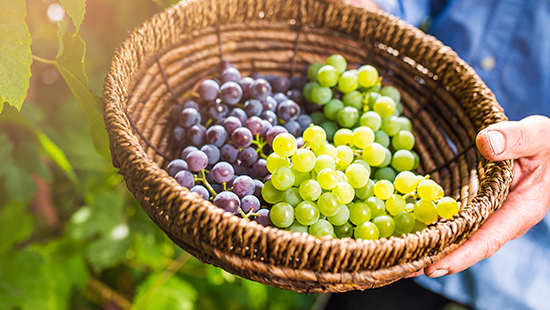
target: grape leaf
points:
(157, 292)
(15, 53)
(16, 225)
(76, 10)
(70, 63)
(24, 282)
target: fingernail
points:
(438, 273)
(497, 141)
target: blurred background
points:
(71, 234)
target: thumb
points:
(511, 140)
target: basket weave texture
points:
(445, 99)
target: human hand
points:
(528, 142)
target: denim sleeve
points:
(412, 11)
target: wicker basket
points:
(445, 99)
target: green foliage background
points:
(71, 235)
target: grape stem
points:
(202, 178)
(246, 215)
(260, 144)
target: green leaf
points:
(17, 182)
(70, 62)
(16, 224)
(158, 292)
(29, 159)
(110, 250)
(15, 53)
(76, 10)
(25, 283)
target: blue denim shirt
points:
(507, 42)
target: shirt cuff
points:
(391, 6)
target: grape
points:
(320, 95)
(196, 161)
(297, 228)
(405, 182)
(357, 175)
(269, 103)
(282, 178)
(367, 231)
(270, 194)
(253, 107)
(328, 178)
(274, 132)
(292, 196)
(385, 224)
(344, 155)
(263, 218)
(310, 190)
(217, 111)
(284, 145)
(228, 202)
(385, 106)
(367, 76)
(308, 88)
(353, 99)
(231, 93)
(404, 223)
(248, 156)
(318, 117)
(185, 178)
(405, 123)
(196, 135)
(343, 137)
(282, 214)
(246, 83)
(324, 161)
(250, 203)
(403, 140)
(303, 160)
(447, 207)
(280, 84)
(275, 161)
(395, 204)
(299, 177)
(402, 160)
(332, 107)
(280, 97)
(321, 229)
(345, 192)
(359, 213)
(229, 153)
(176, 111)
(392, 92)
(288, 110)
(269, 116)
(327, 76)
(347, 117)
(304, 120)
(240, 114)
(314, 136)
(330, 128)
(376, 206)
(293, 128)
(416, 160)
(259, 169)
(341, 217)
(344, 231)
(189, 117)
(390, 125)
(176, 166)
(427, 189)
(186, 151)
(255, 125)
(230, 74)
(296, 95)
(374, 154)
(216, 135)
(307, 213)
(231, 123)
(342, 176)
(208, 90)
(365, 191)
(347, 82)
(371, 119)
(179, 134)
(312, 70)
(258, 185)
(222, 172)
(362, 137)
(241, 169)
(338, 62)
(418, 226)
(243, 186)
(425, 211)
(382, 138)
(201, 190)
(212, 153)
(242, 137)
(387, 160)
(386, 173)
(260, 89)
(383, 189)
(326, 149)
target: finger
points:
(415, 274)
(511, 140)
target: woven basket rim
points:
(156, 34)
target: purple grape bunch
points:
(226, 132)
